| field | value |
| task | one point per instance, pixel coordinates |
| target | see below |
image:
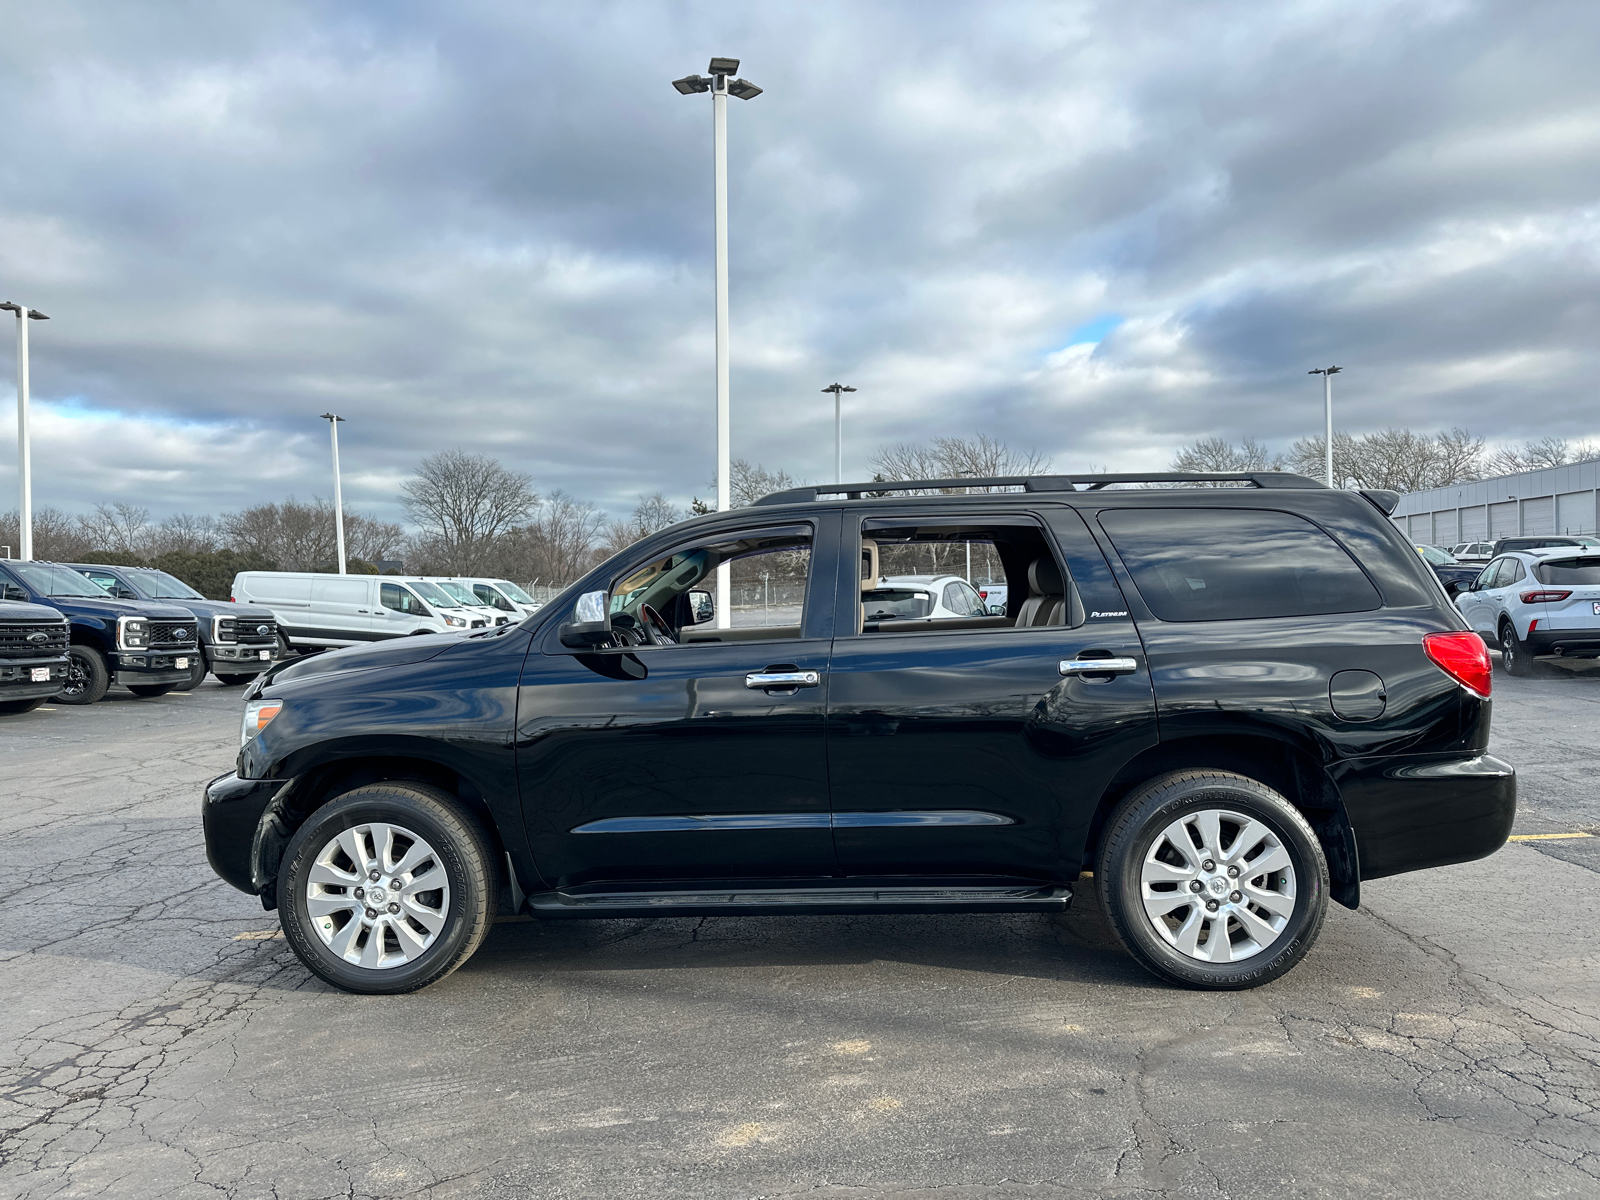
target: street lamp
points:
(24, 444)
(338, 498)
(838, 431)
(721, 87)
(1327, 374)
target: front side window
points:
(50, 580)
(513, 591)
(398, 599)
(1236, 564)
(1486, 577)
(487, 595)
(769, 572)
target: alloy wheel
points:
(77, 677)
(1218, 886)
(378, 896)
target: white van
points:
(500, 594)
(315, 611)
(463, 595)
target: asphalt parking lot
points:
(157, 1040)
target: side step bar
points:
(808, 901)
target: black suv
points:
(33, 655)
(1218, 706)
(145, 647)
(237, 641)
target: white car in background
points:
(1532, 603)
(317, 611)
(1472, 552)
(922, 598)
(468, 599)
(501, 594)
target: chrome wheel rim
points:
(1218, 886)
(378, 896)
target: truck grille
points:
(15, 638)
(247, 630)
(172, 633)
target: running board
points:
(809, 901)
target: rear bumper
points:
(1568, 643)
(231, 814)
(1410, 812)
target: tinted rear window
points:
(1212, 564)
(1568, 571)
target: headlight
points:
(224, 629)
(258, 715)
(133, 633)
(457, 621)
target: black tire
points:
(1515, 656)
(462, 850)
(149, 691)
(88, 677)
(234, 680)
(1133, 833)
(10, 707)
(197, 672)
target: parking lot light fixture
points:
(1327, 374)
(338, 497)
(24, 314)
(838, 430)
(718, 85)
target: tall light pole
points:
(721, 87)
(338, 496)
(1327, 374)
(838, 431)
(24, 443)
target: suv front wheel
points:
(386, 889)
(1212, 880)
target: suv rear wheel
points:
(87, 676)
(386, 889)
(1514, 654)
(1212, 880)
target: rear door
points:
(978, 747)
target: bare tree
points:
(370, 539)
(557, 546)
(57, 536)
(1393, 458)
(464, 502)
(651, 514)
(1546, 452)
(1219, 454)
(297, 536)
(184, 533)
(122, 527)
(953, 457)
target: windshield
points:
(1568, 570)
(58, 581)
(891, 604)
(158, 585)
(432, 594)
(512, 590)
(462, 595)
(1436, 556)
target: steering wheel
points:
(655, 628)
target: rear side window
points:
(1214, 564)
(1568, 571)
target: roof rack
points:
(1039, 483)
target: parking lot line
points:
(1546, 837)
(258, 935)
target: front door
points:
(979, 746)
(667, 759)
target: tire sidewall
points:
(450, 839)
(197, 673)
(99, 681)
(1120, 881)
(1514, 655)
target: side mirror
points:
(1452, 589)
(13, 592)
(591, 622)
(702, 608)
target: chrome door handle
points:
(777, 679)
(1099, 666)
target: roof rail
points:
(1039, 483)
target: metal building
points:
(1551, 500)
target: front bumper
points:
(1413, 811)
(241, 658)
(141, 667)
(232, 815)
(17, 681)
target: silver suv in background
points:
(1533, 603)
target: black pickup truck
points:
(33, 655)
(237, 641)
(145, 647)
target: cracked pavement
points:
(1445, 1038)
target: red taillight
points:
(1463, 657)
(1542, 597)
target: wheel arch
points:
(1283, 766)
(325, 781)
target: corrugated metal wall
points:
(1503, 519)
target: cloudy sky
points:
(1099, 230)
